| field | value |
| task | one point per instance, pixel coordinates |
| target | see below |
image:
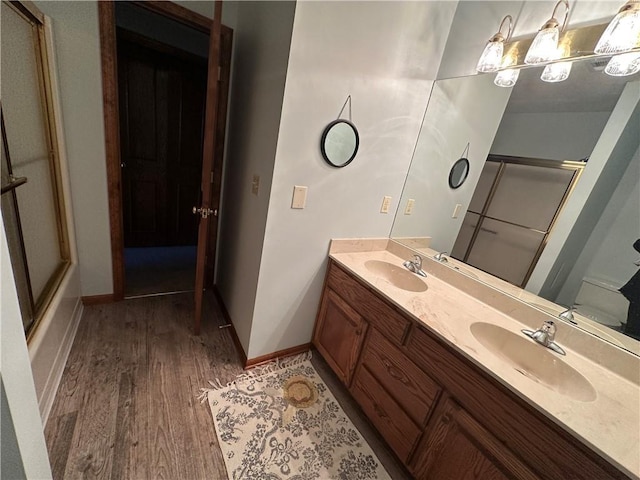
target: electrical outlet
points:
(255, 184)
(299, 197)
(456, 210)
(385, 204)
(409, 208)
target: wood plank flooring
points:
(127, 404)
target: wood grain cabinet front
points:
(443, 416)
(339, 334)
(405, 382)
(456, 447)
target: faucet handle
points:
(550, 329)
(441, 256)
(568, 314)
(417, 260)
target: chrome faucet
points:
(545, 336)
(415, 265)
(441, 257)
(568, 315)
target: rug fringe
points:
(256, 372)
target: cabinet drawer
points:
(415, 391)
(375, 310)
(386, 415)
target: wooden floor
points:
(127, 404)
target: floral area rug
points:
(281, 421)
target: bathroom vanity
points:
(457, 392)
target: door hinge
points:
(211, 177)
(219, 72)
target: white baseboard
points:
(57, 369)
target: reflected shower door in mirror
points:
(511, 214)
(581, 254)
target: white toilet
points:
(602, 302)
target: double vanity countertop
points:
(600, 405)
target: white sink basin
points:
(398, 276)
(534, 361)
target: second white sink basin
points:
(397, 276)
(534, 361)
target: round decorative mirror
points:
(339, 143)
(458, 173)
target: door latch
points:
(205, 212)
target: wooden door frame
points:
(108, 59)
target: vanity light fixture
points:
(491, 57)
(623, 32)
(509, 76)
(545, 46)
(623, 64)
(559, 71)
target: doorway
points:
(161, 98)
(158, 81)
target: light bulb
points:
(556, 72)
(491, 57)
(507, 78)
(623, 64)
(544, 46)
(623, 31)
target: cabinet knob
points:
(381, 413)
(392, 371)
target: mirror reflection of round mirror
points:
(339, 143)
(458, 173)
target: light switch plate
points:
(299, 196)
(255, 184)
(409, 208)
(386, 200)
(456, 210)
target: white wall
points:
(262, 37)
(385, 55)
(614, 150)
(608, 254)
(75, 28)
(16, 375)
(553, 136)
(461, 110)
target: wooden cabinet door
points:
(339, 334)
(456, 447)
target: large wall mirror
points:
(587, 125)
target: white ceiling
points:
(588, 89)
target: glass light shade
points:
(507, 78)
(556, 72)
(622, 33)
(624, 64)
(491, 57)
(544, 47)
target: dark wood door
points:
(207, 193)
(162, 101)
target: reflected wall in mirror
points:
(591, 119)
